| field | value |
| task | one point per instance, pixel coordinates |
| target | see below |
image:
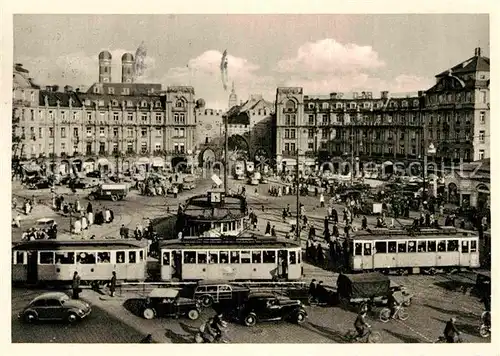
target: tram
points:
(239, 170)
(56, 261)
(427, 250)
(244, 258)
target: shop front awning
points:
(103, 161)
(143, 160)
(158, 162)
(289, 161)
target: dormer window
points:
(158, 104)
(353, 105)
(311, 106)
(144, 104)
(126, 91)
(179, 104)
(415, 103)
(111, 90)
(325, 106)
(114, 103)
(405, 103)
(96, 90)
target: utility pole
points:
(297, 227)
(352, 153)
(226, 163)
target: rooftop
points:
(477, 63)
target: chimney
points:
(333, 95)
(354, 95)
(384, 94)
(477, 52)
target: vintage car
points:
(55, 306)
(167, 302)
(209, 292)
(264, 306)
(44, 223)
(109, 191)
(189, 183)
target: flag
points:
(223, 69)
(140, 56)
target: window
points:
(358, 249)
(46, 258)
(202, 257)
(179, 104)
(214, 257)
(431, 246)
(245, 257)
(115, 131)
(102, 147)
(111, 90)
(181, 132)
(120, 256)
(482, 117)
(141, 255)
(287, 147)
(89, 147)
(181, 118)
(311, 119)
(53, 303)
(481, 136)
(144, 147)
(293, 257)
(224, 257)
(130, 116)
(235, 257)
(157, 146)
(158, 132)
(465, 246)
(481, 154)
(367, 249)
(144, 132)
(75, 131)
(324, 134)
(40, 132)
(144, 117)
(158, 118)
(85, 258)
(292, 133)
(473, 246)
(126, 91)
(442, 246)
(452, 245)
(65, 258)
(256, 257)
(63, 132)
(421, 246)
(166, 259)
(380, 247)
(130, 131)
(103, 257)
(132, 257)
(115, 116)
(130, 147)
(310, 146)
(482, 97)
(287, 133)
(269, 257)
(402, 247)
(189, 257)
(51, 132)
(412, 246)
(392, 246)
(89, 131)
(101, 131)
(20, 257)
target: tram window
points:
(442, 246)
(224, 227)
(141, 255)
(85, 258)
(189, 257)
(166, 259)
(431, 246)
(103, 257)
(473, 246)
(132, 257)
(214, 257)
(412, 246)
(299, 254)
(452, 245)
(224, 257)
(392, 246)
(120, 256)
(235, 257)
(256, 256)
(202, 257)
(65, 258)
(269, 257)
(358, 249)
(402, 247)
(245, 257)
(293, 257)
(465, 246)
(20, 257)
(351, 246)
(422, 246)
(380, 247)
(46, 258)
(368, 249)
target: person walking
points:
(76, 285)
(112, 284)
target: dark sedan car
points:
(270, 307)
(55, 306)
(167, 302)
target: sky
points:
(321, 53)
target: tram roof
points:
(200, 208)
(423, 234)
(110, 244)
(227, 243)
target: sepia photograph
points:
(250, 178)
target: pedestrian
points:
(76, 285)
(273, 231)
(89, 208)
(112, 284)
(122, 231)
(322, 200)
(268, 228)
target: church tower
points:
(233, 98)
(105, 67)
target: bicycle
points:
(371, 337)
(485, 328)
(400, 313)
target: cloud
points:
(328, 55)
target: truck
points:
(109, 191)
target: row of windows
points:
(82, 257)
(365, 105)
(456, 97)
(366, 249)
(225, 257)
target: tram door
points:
(283, 263)
(32, 273)
(177, 264)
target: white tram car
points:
(428, 250)
(231, 259)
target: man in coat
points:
(76, 285)
(112, 284)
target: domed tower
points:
(105, 67)
(127, 68)
(233, 98)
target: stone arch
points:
(207, 157)
(238, 143)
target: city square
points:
(146, 212)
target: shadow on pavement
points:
(468, 329)
(326, 332)
(134, 305)
(458, 314)
(405, 338)
(178, 338)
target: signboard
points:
(216, 179)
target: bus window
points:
(85, 258)
(392, 246)
(422, 246)
(132, 257)
(224, 257)
(20, 258)
(189, 257)
(402, 247)
(120, 256)
(256, 257)
(235, 257)
(380, 247)
(452, 245)
(65, 258)
(412, 246)
(46, 258)
(358, 249)
(465, 246)
(103, 257)
(293, 259)
(442, 246)
(269, 257)
(166, 258)
(431, 246)
(202, 257)
(245, 257)
(473, 245)
(368, 249)
(213, 257)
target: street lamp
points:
(430, 150)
